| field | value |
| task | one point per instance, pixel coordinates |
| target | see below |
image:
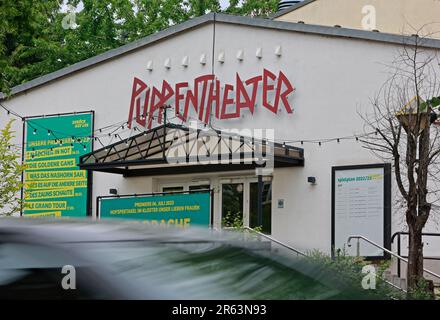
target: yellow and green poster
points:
(53, 184)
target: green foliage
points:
(10, 173)
(433, 103)
(349, 269)
(233, 219)
(382, 266)
(33, 41)
(422, 291)
(258, 229)
(27, 45)
(254, 8)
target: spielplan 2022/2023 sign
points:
(53, 184)
(182, 209)
(360, 207)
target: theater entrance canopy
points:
(177, 149)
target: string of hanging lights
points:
(117, 130)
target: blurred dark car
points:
(137, 261)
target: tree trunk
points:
(415, 258)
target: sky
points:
(224, 3)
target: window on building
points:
(172, 189)
(267, 206)
(232, 204)
(199, 187)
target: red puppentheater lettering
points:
(205, 97)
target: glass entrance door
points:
(232, 204)
(267, 206)
(239, 203)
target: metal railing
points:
(302, 253)
(384, 249)
(398, 235)
(276, 241)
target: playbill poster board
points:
(54, 186)
(361, 206)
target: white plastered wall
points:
(334, 79)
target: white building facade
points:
(334, 73)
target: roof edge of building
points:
(290, 9)
(223, 18)
(335, 31)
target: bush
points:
(423, 291)
(348, 269)
(10, 173)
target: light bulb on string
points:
(205, 128)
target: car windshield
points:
(206, 270)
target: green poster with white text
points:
(181, 209)
(54, 186)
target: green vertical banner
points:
(181, 209)
(54, 185)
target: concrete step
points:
(403, 285)
(394, 279)
(387, 275)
